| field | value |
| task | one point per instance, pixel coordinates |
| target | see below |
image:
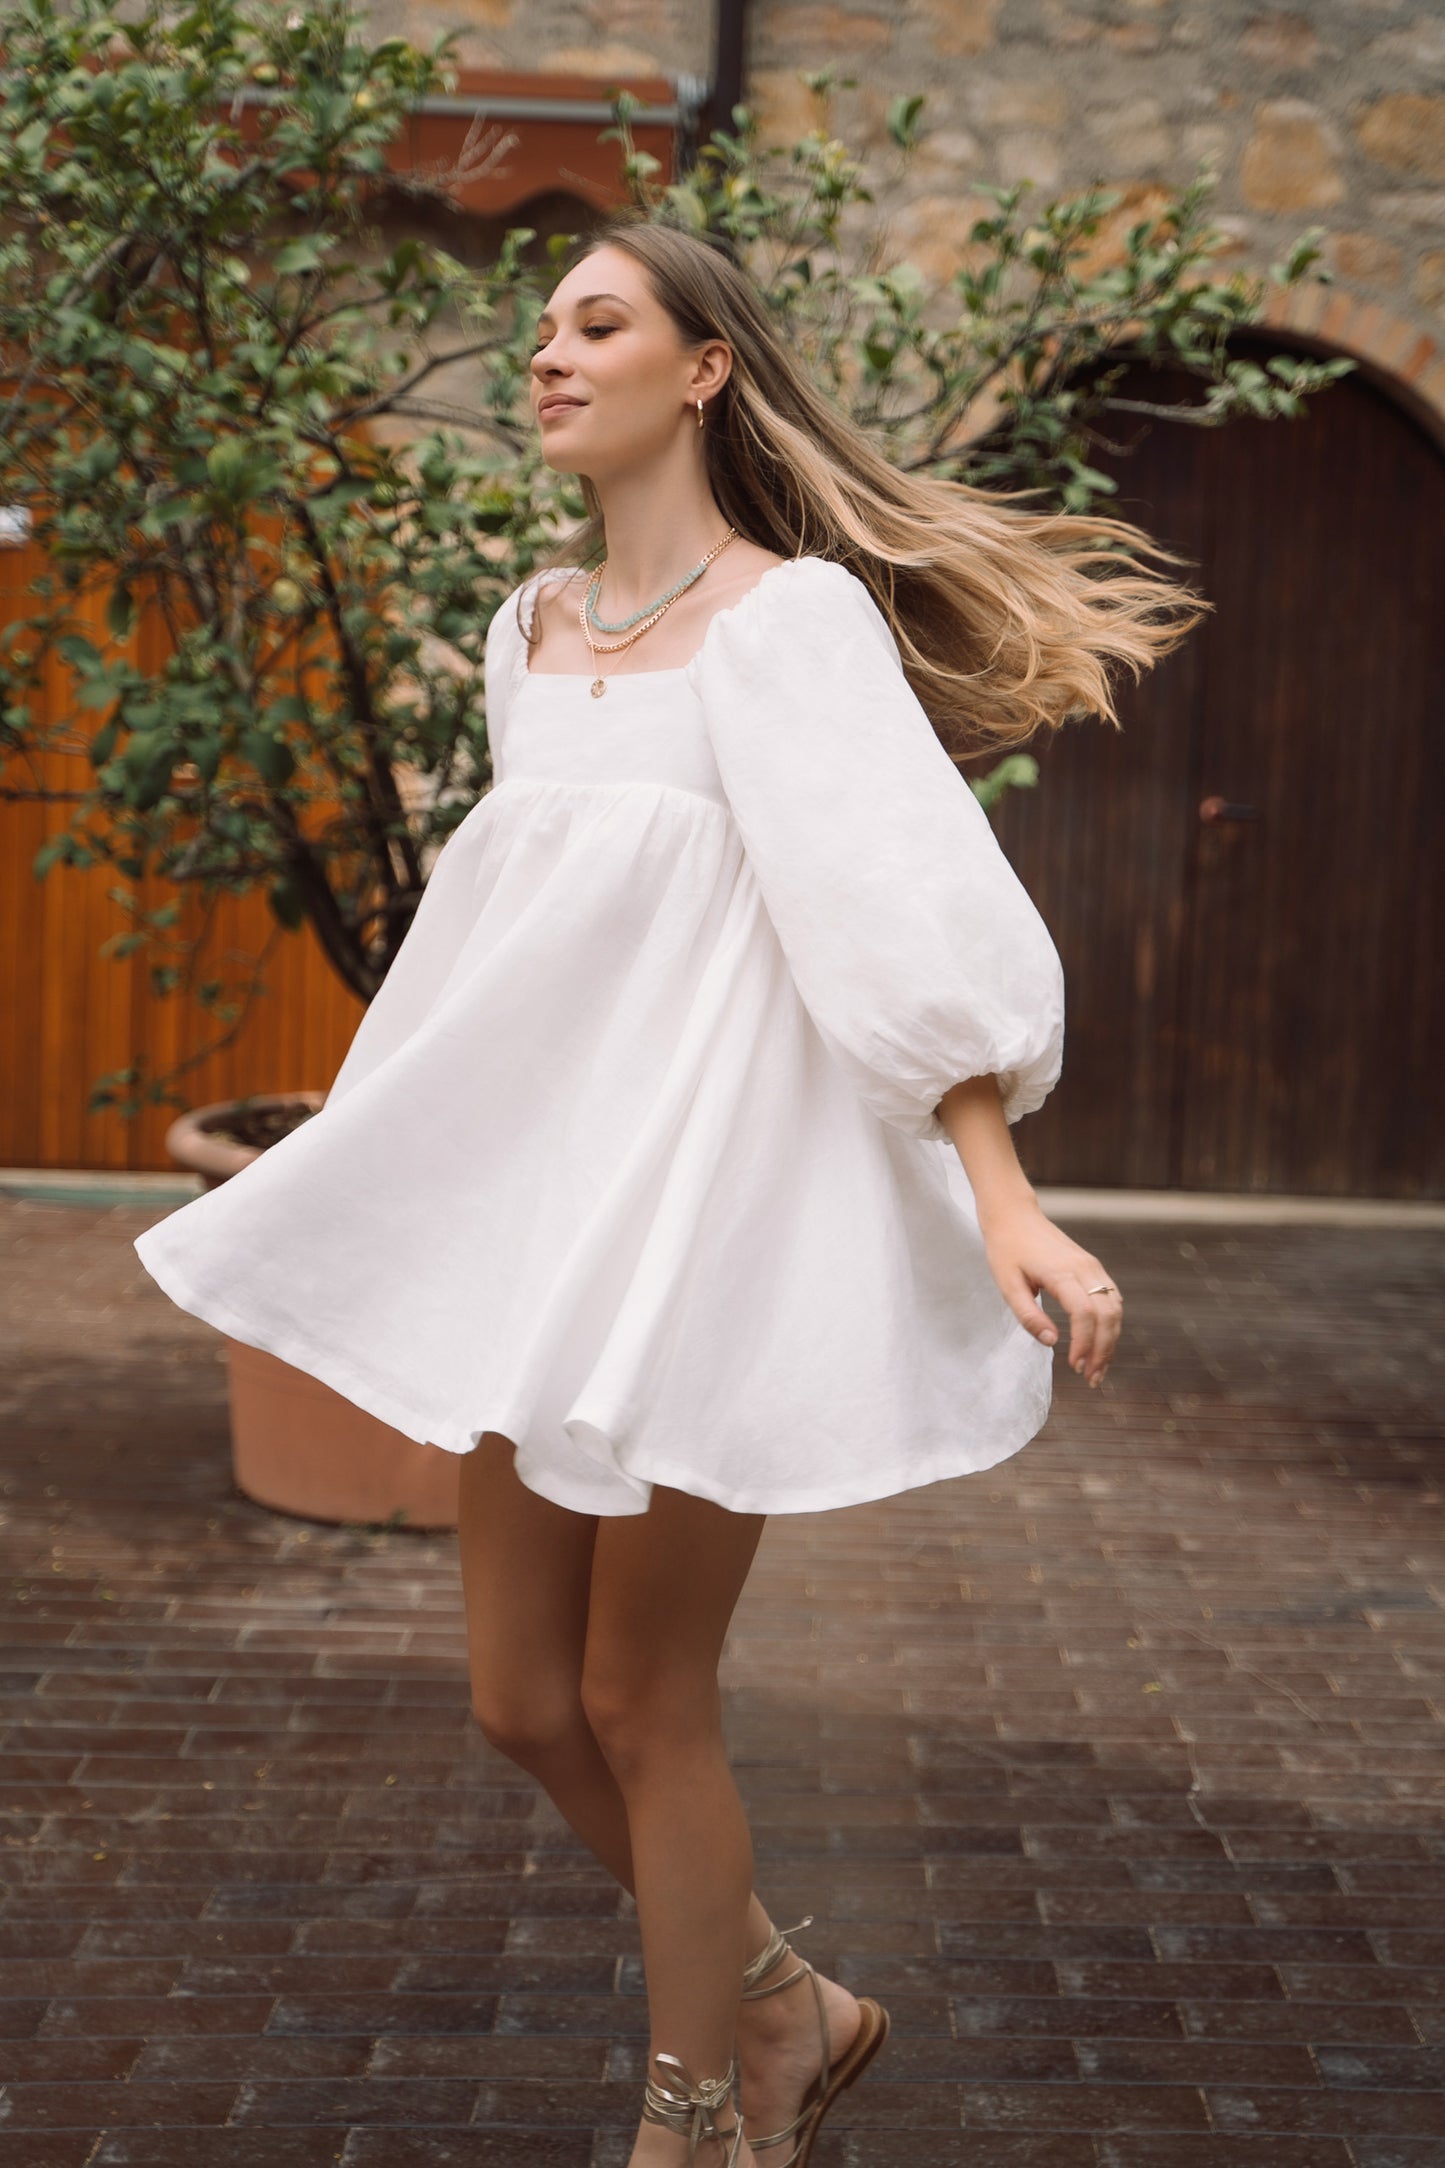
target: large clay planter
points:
(295, 1443)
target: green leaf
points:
(903, 120)
(51, 852)
(272, 757)
(120, 611)
(79, 652)
(95, 692)
(1016, 771)
(306, 253)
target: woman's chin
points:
(557, 457)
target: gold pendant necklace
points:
(659, 609)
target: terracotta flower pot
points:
(296, 1444)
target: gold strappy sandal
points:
(687, 2104)
(831, 2081)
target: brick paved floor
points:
(1116, 1771)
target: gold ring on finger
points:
(1104, 1289)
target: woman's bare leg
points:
(664, 1585)
(526, 1573)
(526, 1576)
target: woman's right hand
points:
(1029, 1255)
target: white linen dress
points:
(633, 1157)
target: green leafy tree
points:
(230, 409)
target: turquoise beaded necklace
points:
(625, 624)
(646, 618)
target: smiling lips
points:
(556, 403)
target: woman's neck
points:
(659, 523)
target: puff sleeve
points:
(504, 660)
(912, 942)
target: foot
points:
(780, 2051)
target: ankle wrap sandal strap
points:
(687, 2104)
(768, 1956)
(775, 1947)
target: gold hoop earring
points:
(699, 413)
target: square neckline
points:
(585, 677)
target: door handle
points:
(1224, 809)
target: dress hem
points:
(374, 1398)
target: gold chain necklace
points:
(616, 647)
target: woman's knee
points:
(531, 1723)
(639, 1715)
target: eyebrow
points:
(586, 303)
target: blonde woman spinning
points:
(669, 1177)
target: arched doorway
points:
(1247, 884)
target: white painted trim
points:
(1187, 1207)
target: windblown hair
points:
(1008, 620)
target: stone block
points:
(1337, 318)
(785, 107)
(1420, 357)
(481, 15)
(946, 151)
(1031, 104)
(1029, 154)
(1206, 143)
(961, 26)
(606, 61)
(1407, 133)
(1299, 306)
(1193, 28)
(1066, 28)
(1134, 37)
(1236, 237)
(1290, 162)
(1138, 201)
(817, 35)
(1363, 328)
(1135, 135)
(932, 232)
(1281, 40)
(863, 117)
(1412, 207)
(1429, 281)
(1420, 45)
(1396, 338)
(1363, 256)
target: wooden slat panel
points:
(1259, 1006)
(1315, 1003)
(69, 1015)
(1101, 844)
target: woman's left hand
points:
(1027, 1253)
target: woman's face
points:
(613, 386)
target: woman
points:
(722, 1002)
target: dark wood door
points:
(1254, 1002)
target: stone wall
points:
(1329, 112)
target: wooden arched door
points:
(1254, 999)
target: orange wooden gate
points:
(69, 1014)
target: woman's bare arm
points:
(1026, 1251)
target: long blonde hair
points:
(1007, 620)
